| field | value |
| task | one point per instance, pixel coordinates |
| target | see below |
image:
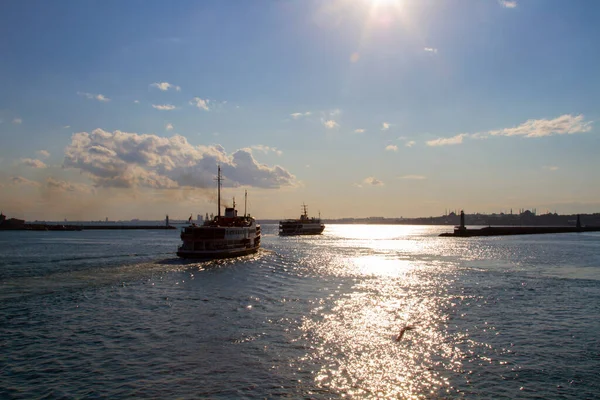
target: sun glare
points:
(383, 2)
(386, 3)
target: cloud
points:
(136, 101)
(164, 86)
(372, 181)
(354, 57)
(458, 139)
(32, 163)
(164, 107)
(431, 50)
(99, 97)
(43, 153)
(330, 124)
(550, 168)
(508, 3)
(297, 115)
(410, 143)
(200, 103)
(63, 186)
(385, 126)
(66, 126)
(169, 127)
(413, 177)
(126, 160)
(566, 124)
(335, 112)
(359, 130)
(266, 149)
(20, 181)
(391, 147)
(17, 121)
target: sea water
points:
(114, 314)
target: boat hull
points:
(295, 229)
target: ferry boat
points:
(223, 236)
(302, 226)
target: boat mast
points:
(245, 202)
(219, 191)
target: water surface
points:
(115, 314)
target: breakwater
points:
(517, 230)
(54, 227)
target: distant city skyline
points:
(356, 108)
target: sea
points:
(115, 314)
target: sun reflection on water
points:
(356, 349)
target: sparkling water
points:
(113, 314)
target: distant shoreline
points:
(526, 218)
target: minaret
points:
(578, 222)
(167, 220)
(462, 220)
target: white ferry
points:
(302, 226)
(223, 237)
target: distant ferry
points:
(223, 237)
(301, 226)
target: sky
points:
(357, 108)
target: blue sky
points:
(123, 109)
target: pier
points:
(463, 231)
(55, 227)
(14, 224)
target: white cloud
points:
(136, 101)
(169, 127)
(410, 143)
(17, 121)
(385, 126)
(359, 130)
(330, 124)
(19, 180)
(566, 124)
(431, 50)
(66, 126)
(202, 104)
(165, 86)
(391, 147)
(121, 159)
(297, 115)
(32, 163)
(413, 177)
(371, 180)
(266, 149)
(164, 107)
(91, 96)
(43, 153)
(551, 168)
(335, 112)
(508, 3)
(458, 139)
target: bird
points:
(406, 328)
